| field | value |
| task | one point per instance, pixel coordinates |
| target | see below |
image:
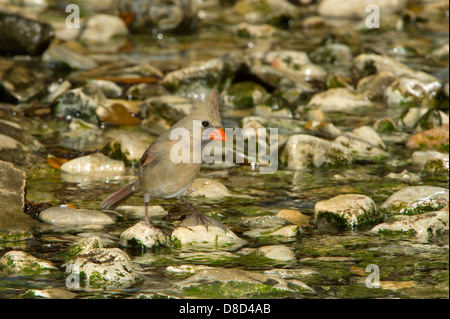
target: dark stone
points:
(21, 35)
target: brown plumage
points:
(158, 175)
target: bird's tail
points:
(114, 200)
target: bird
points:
(159, 176)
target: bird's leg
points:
(202, 220)
(146, 219)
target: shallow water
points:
(425, 265)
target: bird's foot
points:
(201, 220)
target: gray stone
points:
(416, 199)
(267, 221)
(278, 253)
(66, 217)
(352, 9)
(209, 188)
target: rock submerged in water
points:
(239, 283)
(19, 263)
(101, 268)
(349, 211)
(416, 199)
(422, 226)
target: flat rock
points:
(340, 100)
(294, 217)
(66, 216)
(278, 252)
(209, 188)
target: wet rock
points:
(191, 232)
(302, 151)
(431, 161)
(51, 293)
(267, 221)
(209, 188)
(172, 15)
(141, 236)
(278, 253)
(138, 212)
(243, 95)
(56, 89)
(20, 81)
(82, 136)
(109, 88)
(61, 53)
(412, 91)
(183, 271)
(376, 84)
(238, 283)
(66, 217)
(267, 11)
(245, 30)
(334, 53)
(435, 138)
(323, 129)
(409, 118)
(422, 226)
(19, 263)
(12, 198)
(79, 103)
(340, 100)
(161, 112)
(305, 274)
(368, 64)
(369, 135)
(104, 268)
(127, 146)
(97, 165)
(102, 28)
(351, 9)
(13, 151)
(14, 236)
(274, 235)
(431, 119)
(197, 80)
(416, 199)
(361, 147)
(295, 217)
(441, 53)
(384, 125)
(81, 245)
(21, 35)
(349, 211)
(404, 176)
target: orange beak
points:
(218, 135)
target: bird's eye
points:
(205, 123)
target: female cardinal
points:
(161, 176)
